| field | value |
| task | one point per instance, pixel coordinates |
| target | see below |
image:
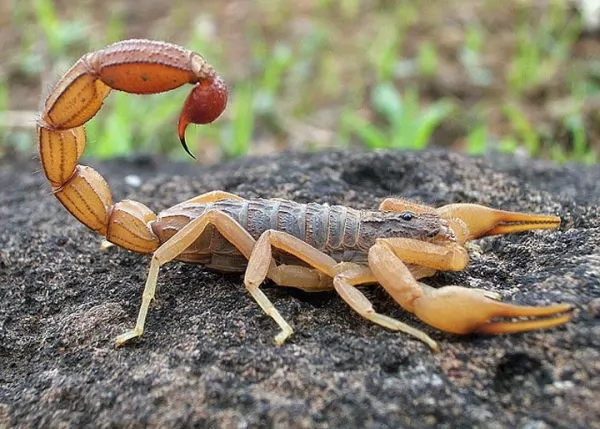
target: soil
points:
(207, 358)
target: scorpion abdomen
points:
(344, 233)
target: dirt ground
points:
(207, 358)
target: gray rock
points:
(207, 358)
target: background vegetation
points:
(471, 75)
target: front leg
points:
(345, 277)
(452, 308)
(178, 243)
(345, 284)
(174, 247)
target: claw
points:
(460, 310)
(205, 103)
(483, 221)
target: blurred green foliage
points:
(357, 73)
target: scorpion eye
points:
(407, 216)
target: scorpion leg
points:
(299, 277)
(345, 283)
(451, 308)
(177, 244)
(345, 277)
(419, 271)
(261, 261)
(312, 280)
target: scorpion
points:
(311, 247)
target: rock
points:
(207, 358)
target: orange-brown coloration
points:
(135, 66)
(59, 152)
(202, 106)
(87, 197)
(129, 226)
(306, 246)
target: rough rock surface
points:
(207, 357)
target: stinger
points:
(205, 103)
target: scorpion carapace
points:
(308, 246)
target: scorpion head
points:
(432, 227)
(445, 232)
(424, 226)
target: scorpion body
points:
(341, 232)
(307, 246)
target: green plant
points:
(469, 55)
(581, 151)
(407, 125)
(541, 49)
(387, 46)
(237, 136)
(477, 140)
(3, 110)
(58, 34)
(427, 59)
(524, 129)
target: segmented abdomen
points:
(331, 229)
